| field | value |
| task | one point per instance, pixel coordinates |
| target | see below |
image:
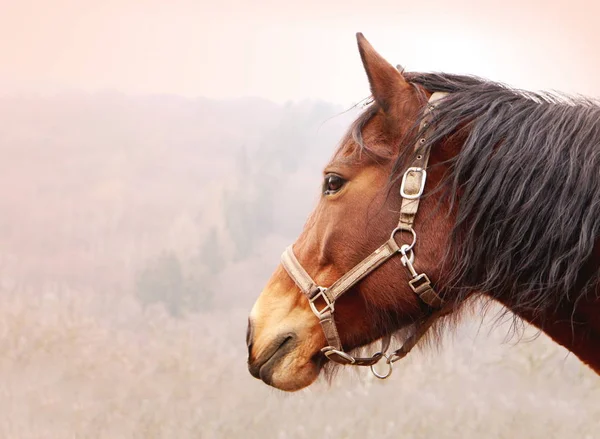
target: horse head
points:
(357, 211)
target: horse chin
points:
(291, 371)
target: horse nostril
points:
(249, 335)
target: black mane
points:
(525, 187)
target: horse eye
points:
(333, 183)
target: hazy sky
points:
(282, 50)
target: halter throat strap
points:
(322, 300)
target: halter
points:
(322, 300)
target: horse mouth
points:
(263, 368)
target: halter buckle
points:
(330, 351)
(423, 177)
(419, 283)
(329, 305)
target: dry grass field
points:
(84, 366)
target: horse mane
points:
(525, 187)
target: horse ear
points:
(386, 82)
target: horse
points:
(446, 189)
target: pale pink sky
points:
(289, 50)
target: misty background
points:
(156, 159)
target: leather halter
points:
(322, 300)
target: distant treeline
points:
(157, 195)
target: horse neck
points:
(575, 326)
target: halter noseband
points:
(322, 300)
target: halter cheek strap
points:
(322, 300)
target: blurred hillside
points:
(155, 194)
(127, 226)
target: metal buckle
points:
(329, 350)
(423, 282)
(423, 174)
(328, 304)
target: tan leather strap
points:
(344, 283)
(413, 182)
(322, 300)
(420, 331)
(298, 273)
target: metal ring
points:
(389, 370)
(402, 229)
